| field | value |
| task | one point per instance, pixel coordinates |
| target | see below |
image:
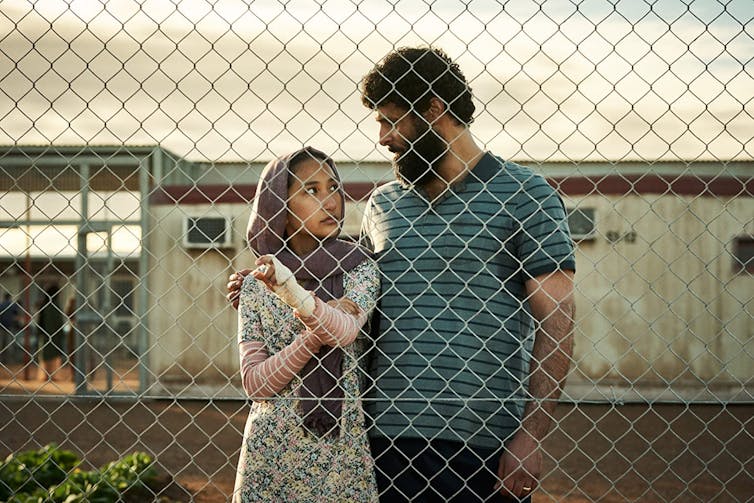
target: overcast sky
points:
(228, 81)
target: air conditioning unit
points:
(207, 232)
(581, 223)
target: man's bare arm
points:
(552, 305)
(551, 299)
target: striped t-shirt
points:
(455, 333)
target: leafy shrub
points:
(52, 475)
(133, 471)
(31, 470)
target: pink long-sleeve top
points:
(264, 375)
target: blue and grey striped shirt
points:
(455, 331)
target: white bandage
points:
(290, 291)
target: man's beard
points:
(418, 165)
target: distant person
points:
(70, 333)
(50, 324)
(9, 325)
(305, 438)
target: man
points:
(476, 309)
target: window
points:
(743, 254)
(581, 223)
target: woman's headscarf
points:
(321, 271)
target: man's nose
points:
(386, 135)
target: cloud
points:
(227, 82)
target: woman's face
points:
(315, 207)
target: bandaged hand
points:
(280, 279)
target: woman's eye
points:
(333, 188)
(311, 191)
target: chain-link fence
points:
(132, 138)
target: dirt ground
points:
(598, 452)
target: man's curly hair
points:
(409, 76)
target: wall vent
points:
(581, 223)
(207, 232)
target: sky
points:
(230, 81)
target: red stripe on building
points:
(685, 185)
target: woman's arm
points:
(333, 326)
(262, 375)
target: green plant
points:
(133, 471)
(31, 470)
(84, 486)
(52, 475)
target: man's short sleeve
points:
(366, 229)
(543, 240)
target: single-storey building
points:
(665, 274)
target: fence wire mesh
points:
(132, 138)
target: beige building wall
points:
(192, 328)
(658, 309)
(663, 315)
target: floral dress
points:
(280, 461)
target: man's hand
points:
(235, 281)
(520, 466)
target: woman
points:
(304, 438)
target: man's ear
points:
(436, 110)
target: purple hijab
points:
(321, 396)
